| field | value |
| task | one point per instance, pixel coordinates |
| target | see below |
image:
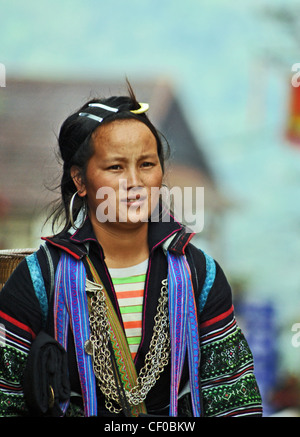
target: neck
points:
(123, 246)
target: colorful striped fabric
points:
(71, 308)
(183, 331)
(129, 287)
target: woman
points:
(146, 318)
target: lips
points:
(135, 201)
(133, 198)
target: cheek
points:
(154, 187)
(97, 179)
(157, 178)
(96, 189)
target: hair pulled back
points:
(76, 147)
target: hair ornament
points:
(143, 108)
(92, 116)
(107, 108)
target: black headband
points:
(90, 113)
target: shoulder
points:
(211, 280)
(18, 294)
(18, 302)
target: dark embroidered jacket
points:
(228, 383)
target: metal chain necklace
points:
(97, 346)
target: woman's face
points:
(124, 174)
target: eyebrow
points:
(123, 159)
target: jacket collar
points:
(75, 243)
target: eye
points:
(114, 167)
(147, 164)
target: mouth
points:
(134, 201)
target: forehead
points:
(123, 134)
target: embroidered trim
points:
(228, 355)
(12, 406)
(227, 400)
(228, 384)
(71, 306)
(183, 331)
(38, 284)
(209, 280)
(12, 364)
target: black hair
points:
(76, 147)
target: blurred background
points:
(219, 78)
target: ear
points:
(77, 179)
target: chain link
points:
(155, 360)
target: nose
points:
(133, 178)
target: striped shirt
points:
(129, 287)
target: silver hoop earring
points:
(165, 199)
(83, 211)
(165, 194)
